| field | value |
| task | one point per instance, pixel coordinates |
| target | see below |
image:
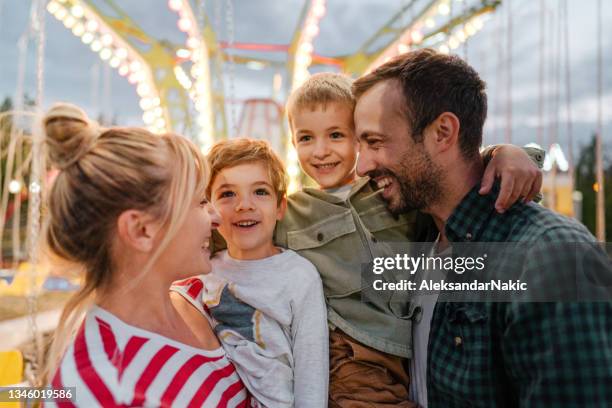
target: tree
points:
(585, 183)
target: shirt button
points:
(468, 236)
(320, 236)
(458, 341)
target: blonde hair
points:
(231, 153)
(103, 173)
(319, 90)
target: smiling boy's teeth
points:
(246, 223)
(326, 166)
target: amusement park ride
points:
(187, 88)
(180, 86)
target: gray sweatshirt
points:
(270, 316)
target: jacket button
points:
(320, 236)
(458, 341)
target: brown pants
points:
(361, 377)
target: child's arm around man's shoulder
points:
(309, 336)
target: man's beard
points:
(418, 179)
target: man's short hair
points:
(319, 90)
(433, 83)
(230, 153)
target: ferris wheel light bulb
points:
(107, 39)
(114, 62)
(175, 5)
(78, 29)
(105, 54)
(87, 38)
(14, 187)
(124, 70)
(135, 66)
(444, 9)
(96, 46)
(69, 21)
(121, 53)
(91, 25)
(52, 7)
(184, 24)
(61, 14)
(77, 11)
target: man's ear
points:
(137, 229)
(282, 208)
(444, 131)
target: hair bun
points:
(70, 134)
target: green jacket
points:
(340, 238)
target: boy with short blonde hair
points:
(339, 227)
(265, 303)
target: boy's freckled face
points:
(326, 145)
(249, 209)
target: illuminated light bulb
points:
(293, 170)
(105, 53)
(303, 59)
(160, 123)
(133, 78)
(34, 187)
(461, 36)
(96, 46)
(155, 101)
(175, 5)
(14, 187)
(306, 47)
(87, 38)
(312, 30)
(158, 111)
(91, 25)
(69, 22)
(192, 42)
(143, 89)
(121, 53)
(148, 117)
(184, 24)
(107, 39)
(183, 53)
(453, 43)
(135, 66)
(202, 121)
(145, 104)
(430, 23)
(444, 49)
(292, 155)
(416, 36)
(319, 10)
(77, 11)
(444, 9)
(470, 30)
(124, 70)
(402, 48)
(61, 14)
(78, 29)
(52, 7)
(478, 24)
(139, 76)
(114, 62)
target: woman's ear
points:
(138, 230)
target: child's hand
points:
(520, 177)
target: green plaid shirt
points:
(519, 354)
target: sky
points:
(73, 73)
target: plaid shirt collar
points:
(471, 217)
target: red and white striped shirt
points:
(114, 364)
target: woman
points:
(128, 207)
